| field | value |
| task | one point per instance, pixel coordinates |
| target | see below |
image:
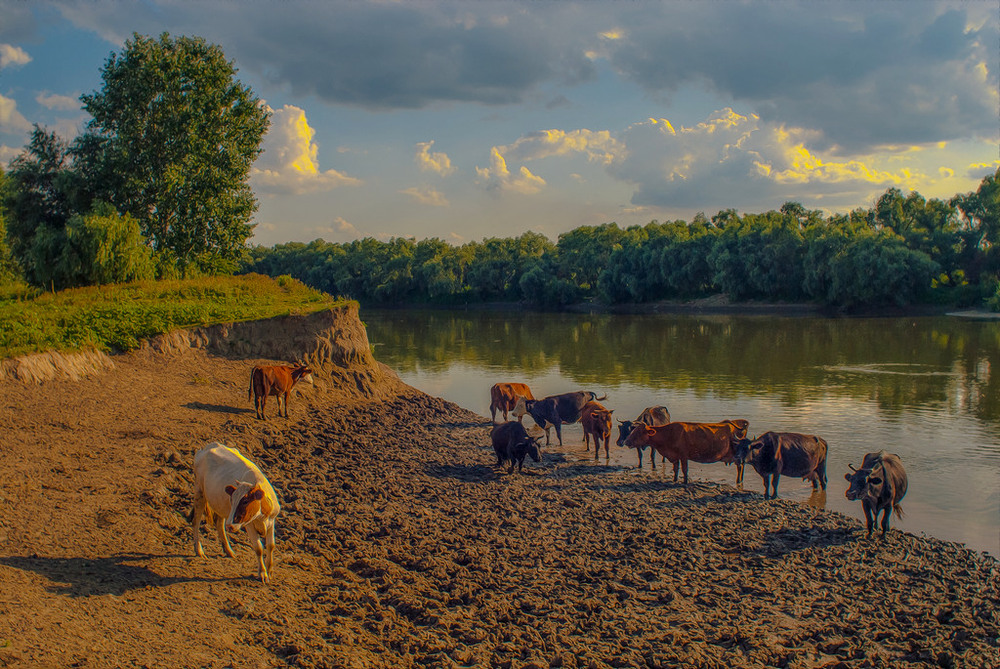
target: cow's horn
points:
(851, 467)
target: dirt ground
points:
(401, 544)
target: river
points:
(922, 388)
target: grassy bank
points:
(118, 317)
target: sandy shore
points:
(400, 544)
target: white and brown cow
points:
(228, 486)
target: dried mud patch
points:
(400, 544)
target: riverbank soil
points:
(401, 544)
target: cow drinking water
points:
(234, 494)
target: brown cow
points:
(503, 397)
(701, 442)
(880, 484)
(775, 453)
(275, 380)
(596, 421)
(658, 415)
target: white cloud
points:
(7, 154)
(58, 102)
(12, 120)
(497, 177)
(437, 162)
(288, 164)
(599, 146)
(13, 55)
(427, 196)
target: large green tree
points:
(171, 142)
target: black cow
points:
(652, 416)
(511, 443)
(775, 453)
(555, 410)
(880, 484)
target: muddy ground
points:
(401, 544)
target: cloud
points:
(438, 163)
(598, 146)
(13, 55)
(731, 157)
(288, 164)
(12, 120)
(8, 154)
(427, 196)
(498, 178)
(898, 74)
(58, 102)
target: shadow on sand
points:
(217, 408)
(86, 577)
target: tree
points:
(41, 193)
(171, 142)
(8, 266)
(103, 247)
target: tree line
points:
(904, 250)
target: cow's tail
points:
(595, 398)
(898, 510)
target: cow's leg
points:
(558, 427)
(220, 529)
(493, 414)
(821, 470)
(774, 483)
(684, 466)
(867, 506)
(196, 514)
(607, 449)
(269, 546)
(739, 475)
(639, 452)
(677, 463)
(259, 550)
(652, 458)
(885, 519)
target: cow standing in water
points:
(596, 422)
(700, 442)
(233, 493)
(775, 453)
(652, 416)
(880, 484)
(276, 380)
(504, 396)
(555, 410)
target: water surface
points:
(919, 387)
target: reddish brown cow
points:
(596, 421)
(503, 397)
(275, 380)
(701, 442)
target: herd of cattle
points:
(879, 484)
(232, 493)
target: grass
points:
(118, 317)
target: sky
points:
(476, 119)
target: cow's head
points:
(639, 436)
(741, 450)
(304, 374)
(762, 453)
(624, 428)
(247, 502)
(740, 427)
(521, 407)
(602, 419)
(858, 478)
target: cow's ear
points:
(847, 477)
(650, 431)
(230, 489)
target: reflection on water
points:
(919, 387)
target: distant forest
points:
(905, 250)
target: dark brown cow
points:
(511, 443)
(880, 484)
(275, 380)
(555, 410)
(775, 453)
(503, 397)
(654, 416)
(701, 442)
(596, 422)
